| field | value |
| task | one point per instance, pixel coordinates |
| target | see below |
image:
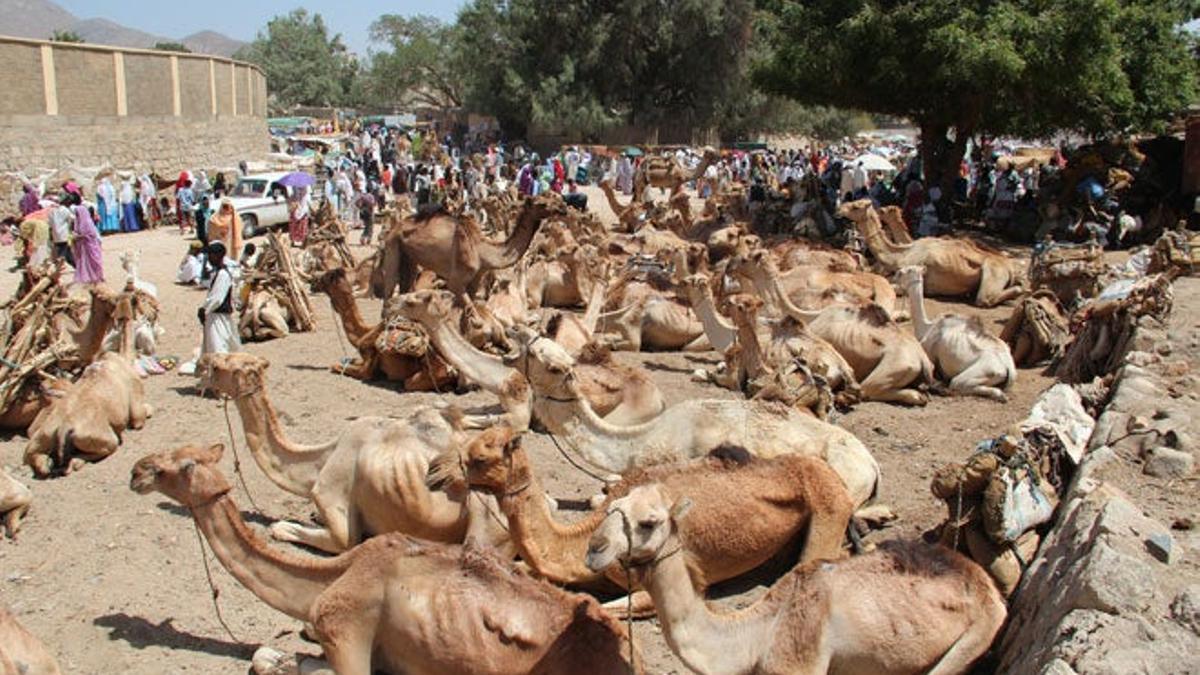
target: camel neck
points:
(720, 333)
(90, 339)
(707, 643)
(767, 281)
(916, 301)
(341, 296)
(752, 358)
(286, 582)
(498, 256)
(486, 370)
(553, 550)
(885, 251)
(582, 432)
(292, 467)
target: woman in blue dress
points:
(107, 208)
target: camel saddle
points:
(1068, 269)
(403, 338)
(1178, 250)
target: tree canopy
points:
(1021, 67)
(303, 63)
(171, 47)
(66, 36)
(422, 61)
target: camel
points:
(89, 338)
(643, 317)
(369, 479)
(776, 500)
(783, 340)
(962, 350)
(815, 287)
(405, 357)
(631, 216)
(15, 499)
(666, 173)
(564, 281)
(905, 608)
(455, 248)
(263, 317)
(20, 652)
(892, 218)
(394, 603)
(142, 307)
(619, 393)
(688, 429)
(953, 267)
(887, 361)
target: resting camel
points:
(811, 287)
(892, 219)
(564, 281)
(953, 267)
(369, 479)
(775, 500)
(973, 360)
(15, 499)
(20, 652)
(619, 393)
(887, 361)
(396, 352)
(666, 173)
(455, 248)
(781, 340)
(645, 318)
(393, 603)
(905, 608)
(629, 216)
(263, 317)
(688, 429)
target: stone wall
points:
(89, 106)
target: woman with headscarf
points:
(30, 201)
(298, 215)
(129, 210)
(225, 226)
(89, 255)
(107, 208)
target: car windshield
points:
(248, 187)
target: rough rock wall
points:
(163, 144)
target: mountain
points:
(40, 18)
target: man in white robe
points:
(220, 327)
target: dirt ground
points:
(113, 581)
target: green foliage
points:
(304, 65)
(66, 36)
(422, 61)
(1022, 67)
(171, 47)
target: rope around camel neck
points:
(237, 460)
(212, 585)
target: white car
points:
(261, 202)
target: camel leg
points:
(643, 606)
(826, 529)
(992, 289)
(269, 661)
(971, 644)
(357, 369)
(350, 652)
(976, 381)
(700, 344)
(889, 381)
(316, 537)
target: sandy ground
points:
(113, 581)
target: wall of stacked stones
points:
(85, 105)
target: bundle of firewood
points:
(276, 272)
(1176, 249)
(29, 338)
(1105, 328)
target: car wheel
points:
(249, 226)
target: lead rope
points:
(572, 462)
(628, 589)
(216, 592)
(237, 460)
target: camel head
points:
(233, 375)
(549, 367)
(546, 205)
(639, 529)
(104, 301)
(743, 308)
(323, 282)
(697, 286)
(425, 305)
(130, 261)
(488, 458)
(910, 277)
(189, 475)
(855, 211)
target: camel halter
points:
(212, 585)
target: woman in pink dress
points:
(89, 262)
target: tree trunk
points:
(941, 156)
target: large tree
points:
(303, 63)
(958, 68)
(421, 62)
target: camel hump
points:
(593, 353)
(731, 455)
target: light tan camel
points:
(455, 248)
(811, 287)
(905, 608)
(394, 603)
(688, 429)
(775, 501)
(962, 350)
(15, 499)
(781, 340)
(666, 173)
(369, 479)
(892, 218)
(643, 317)
(564, 281)
(409, 360)
(631, 216)
(619, 393)
(263, 317)
(953, 267)
(887, 361)
(20, 652)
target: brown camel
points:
(368, 479)
(774, 500)
(15, 499)
(905, 608)
(20, 652)
(631, 216)
(666, 173)
(892, 218)
(811, 287)
(394, 603)
(617, 392)
(953, 267)
(455, 248)
(397, 351)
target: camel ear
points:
(680, 508)
(213, 454)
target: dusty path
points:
(113, 581)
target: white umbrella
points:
(872, 162)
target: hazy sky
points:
(241, 19)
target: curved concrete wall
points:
(90, 105)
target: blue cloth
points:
(129, 218)
(110, 218)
